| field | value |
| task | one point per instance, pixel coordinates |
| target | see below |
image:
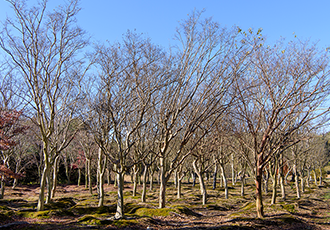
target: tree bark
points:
(259, 203)
(41, 200)
(201, 183)
(120, 201)
(296, 178)
(163, 182)
(215, 175)
(89, 176)
(55, 173)
(135, 174)
(144, 184)
(224, 178)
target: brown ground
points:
(75, 208)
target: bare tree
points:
(43, 46)
(279, 93)
(204, 68)
(130, 74)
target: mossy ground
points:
(75, 208)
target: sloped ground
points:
(75, 208)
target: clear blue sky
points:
(109, 19)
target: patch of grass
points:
(154, 212)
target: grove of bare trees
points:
(221, 104)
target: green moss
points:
(93, 210)
(125, 223)
(89, 220)
(2, 207)
(249, 206)
(34, 214)
(187, 211)
(61, 203)
(216, 207)
(290, 208)
(154, 212)
(5, 217)
(288, 219)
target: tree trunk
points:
(89, 176)
(101, 190)
(55, 173)
(315, 177)
(296, 177)
(41, 200)
(224, 178)
(151, 179)
(2, 188)
(102, 161)
(259, 203)
(120, 201)
(242, 184)
(282, 186)
(232, 169)
(15, 182)
(201, 182)
(266, 180)
(49, 187)
(79, 176)
(308, 177)
(144, 185)
(178, 188)
(86, 174)
(274, 188)
(321, 178)
(194, 178)
(163, 182)
(176, 178)
(135, 174)
(215, 175)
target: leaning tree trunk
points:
(201, 182)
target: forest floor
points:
(74, 208)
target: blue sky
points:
(158, 19)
